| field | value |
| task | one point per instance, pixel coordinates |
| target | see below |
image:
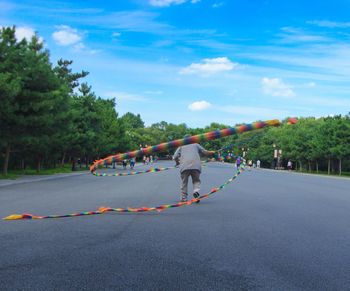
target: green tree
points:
(64, 140)
(32, 97)
(12, 55)
(132, 120)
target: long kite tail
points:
(103, 210)
(188, 140)
(151, 170)
(159, 148)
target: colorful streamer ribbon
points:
(103, 210)
(188, 140)
(158, 148)
(151, 170)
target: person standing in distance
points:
(238, 162)
(258, 164)
(188, 158)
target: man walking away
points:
(188, 158)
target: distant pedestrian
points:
(258, 164)
(125, 162)
(250, 164)
(238, 162)
(132, 163)
(289, 165)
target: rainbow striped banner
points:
(188, 140)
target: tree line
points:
(49, 117)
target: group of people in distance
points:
(250, 164)
(146, 161)
(131, 161)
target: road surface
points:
(268, 230)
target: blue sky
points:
(201, 61)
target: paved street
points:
(267, 230)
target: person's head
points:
(187, 135)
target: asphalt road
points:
(266, 231)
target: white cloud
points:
(199, 105)
(209, 67)
(79, 47)
(166, 3)
(116, 34)
(310, 84)
(330, 24)
(295, 35)
(82, 48)
(66, 36)
(218, 4)
(24, 32)
(139, 21)
(276, 87)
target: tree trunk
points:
(301, 166)
(7, 159)
(22, 165)
(63, 158)
(73, 164)
(339, 166)
(38, 165)
(317, 166)
(86, 162)
(309, 166)
(296, 166)
(329, 166)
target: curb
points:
(306, 174)
(32, 179)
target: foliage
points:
(48, 118)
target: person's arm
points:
(177, 155)
(203, 151)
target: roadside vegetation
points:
(50, 120)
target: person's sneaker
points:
(183, 197)
(196, 195)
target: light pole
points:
(277, 154)
(244, 151)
